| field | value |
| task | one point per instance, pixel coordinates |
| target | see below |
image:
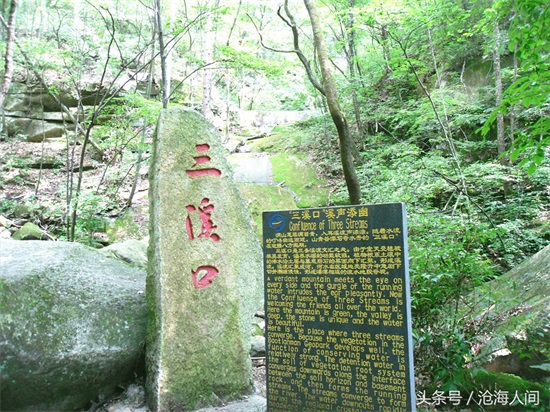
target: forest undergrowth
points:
(462, 234)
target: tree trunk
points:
(512, 112)
(234, 23)
(151, 73)
(227, 104)
(77, 22)
(169, 56)
(8, 59)
(501, 136)
(351, 68)
(207, 54)
(336, 113)
(162, 52)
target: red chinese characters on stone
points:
(203, 276)
(207, 225)
(200, 160)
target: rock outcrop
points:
(515, 310)
(132, 251)
(72, 325)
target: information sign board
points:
(338, 319)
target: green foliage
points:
(529, 41)
(479, 380)
(517, 217)
(440, 353)
(261, 198)
(91, 211)
(45, 55)
(442, 271)
(124, 227)
(243, 59)
(467, 224)
(135, 107)
(126, 116)
(294, 138)
(296, 173)
(129, 120)
(521, 240)
(535, 345)
(7, 206)
(491, 231)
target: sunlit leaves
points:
(240, 58)
(528, 39)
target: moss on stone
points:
(72, 324)
(29, 231)
(123, 227)
(261, 198)
(200, 336)
(285, 138)
(299, 174)
(516, 309)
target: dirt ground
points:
(133, 397)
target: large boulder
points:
(5, 226)
(204, 270)
(515, 308)
(72, 325)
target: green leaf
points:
(515, 154)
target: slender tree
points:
(352, 62)
(331, 95)
(162, 51)
(528, 39)
(501, 136)
(207, 56)
(327, 87)
(8, 58)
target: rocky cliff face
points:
(33, 114)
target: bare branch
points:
(342, 72)
(191, 74)
(265, 46)
(234, 23)
(291, 22)
(283, 17)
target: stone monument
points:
(204, 279)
